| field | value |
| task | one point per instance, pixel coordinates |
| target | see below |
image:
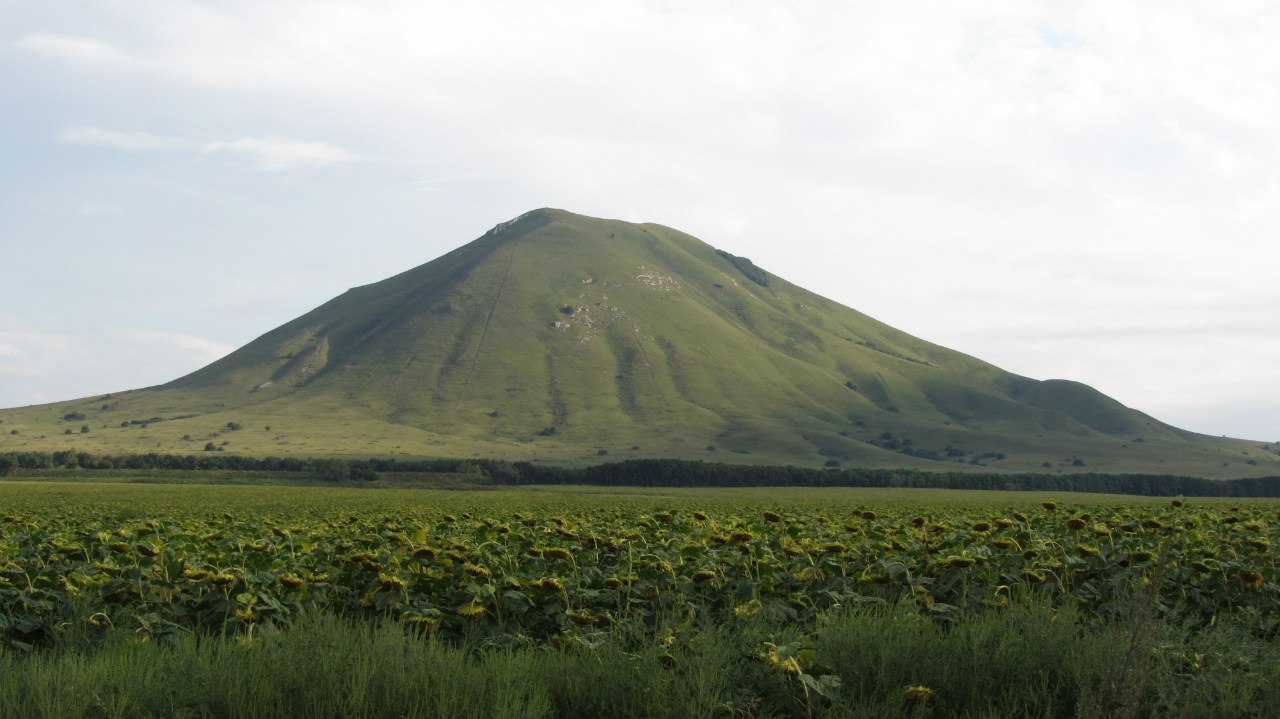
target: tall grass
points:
(1028, 660)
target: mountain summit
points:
(566, 338)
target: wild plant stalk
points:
(1145, 626)
(1127, 686)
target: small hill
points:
(568, 339)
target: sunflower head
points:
(471, 612)
(1250, 579)
(917, 695)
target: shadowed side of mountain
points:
(1094, 410)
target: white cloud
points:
(37, 367)
(130, 141)
(75, 49)
(196, 348)
(270, 154)
(26, 355)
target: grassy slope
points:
(667, 349)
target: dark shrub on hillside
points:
(747, 268)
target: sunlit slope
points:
(561, 337)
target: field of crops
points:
(513, 566)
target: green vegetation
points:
(636, 602)
(219, 468)
(555, 337)
(747, 268)
(867, 661)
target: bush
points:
(747, 268)
(503, 472)
(336, 470)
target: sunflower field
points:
(160, 562)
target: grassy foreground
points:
(1030, 660)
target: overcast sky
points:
(1082, 190)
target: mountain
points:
(562, 338)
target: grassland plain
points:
(186, 600)
(559, 338)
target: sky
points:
(1087, 190)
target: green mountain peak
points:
(563, 338)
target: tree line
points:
(683, 473)
(651, 473)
